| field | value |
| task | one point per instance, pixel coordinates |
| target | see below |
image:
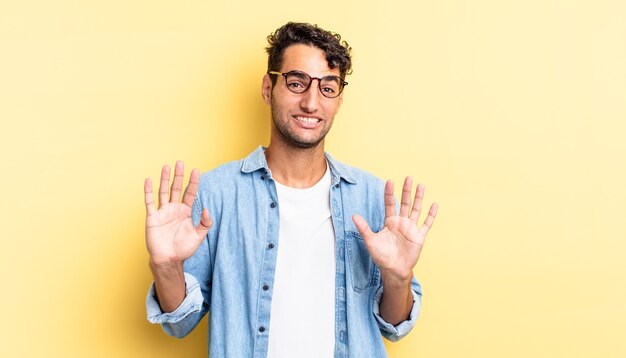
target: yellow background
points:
(512, 112)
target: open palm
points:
(170, 234)
(396, 248)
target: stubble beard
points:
(291, 138)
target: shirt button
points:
(262, 177)
(261, 329)
(270, 246)
(273, 205)
(266, 287)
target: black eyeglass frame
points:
(342, 83)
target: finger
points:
(148, 197)
(164, 185)
(430, 219)
(405, 201)
(205, 223)
(362, 226)
(390, 203)
(177, 183)
(417, 203)
(192, 188)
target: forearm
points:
(169, 283)
(397, 300)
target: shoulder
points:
(362, 193)
(227, 170)
(353, 175)
(221, 178)
(364, 177)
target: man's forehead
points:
(309, 59)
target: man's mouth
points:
(307, 120)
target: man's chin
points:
(306, 144)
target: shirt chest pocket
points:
(363, 272)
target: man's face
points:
(301, 120)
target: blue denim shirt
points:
(237, 259)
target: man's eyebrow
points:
(332, 78)
(298, 73)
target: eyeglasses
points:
(299, 82)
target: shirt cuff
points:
(191, 304)
(391, 332)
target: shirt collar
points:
(257, 161)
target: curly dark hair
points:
(337, 51)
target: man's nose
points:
(311, 97)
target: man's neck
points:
(296, 167)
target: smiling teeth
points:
(308, 120)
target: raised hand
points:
(171, 237)
(396, 248)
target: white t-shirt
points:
(302, 320)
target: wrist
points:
(398, 280)
(166, 268)
(169, 283)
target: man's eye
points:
(329, 90)
(296, 85)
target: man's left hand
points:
(396, 248)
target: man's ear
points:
(266, 89)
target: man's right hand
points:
(171, 237)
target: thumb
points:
(205, 223)
(362, 226)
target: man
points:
(293, 253)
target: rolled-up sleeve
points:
(185, 317)
(397, 332)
